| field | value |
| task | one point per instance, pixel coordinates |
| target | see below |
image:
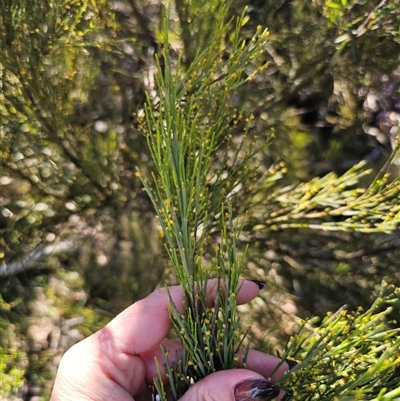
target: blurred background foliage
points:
(78, 237)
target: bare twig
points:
(363, 27)
(37, 255)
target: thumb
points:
(232, 385)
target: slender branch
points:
(363, 27)
(39, 254)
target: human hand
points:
(117, 362)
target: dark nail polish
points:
(291, 363)
(261, 284)
(255, 390)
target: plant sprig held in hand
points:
(198, 166)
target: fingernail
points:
(291, 363)
(261, 284)
(255, 389)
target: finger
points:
(146, 323)
(109, 358)
(174, 349)
(114, 349)
(228, 385)
(269, 366)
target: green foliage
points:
(187, 126)
(12, 356)
(188, 123)
(317, 203)
(211, 338)
(46, 73)
(348, 356)
(193, 17)
(73, 78)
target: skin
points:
(117, 362)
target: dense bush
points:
(320, 101)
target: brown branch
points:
(362, 28)
(39, 254)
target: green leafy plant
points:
(349, 355)
(198, 166)
(12, 355)
(209, 166)
(334, 203)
